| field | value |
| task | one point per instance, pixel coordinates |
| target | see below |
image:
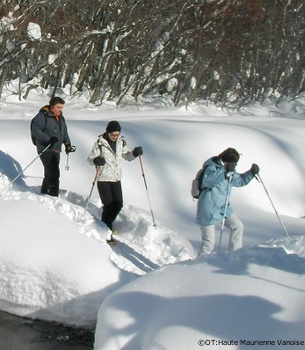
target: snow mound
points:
(245, 298)
(59, 264)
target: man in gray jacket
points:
(49, 128)
(106, 154)
(211, 202)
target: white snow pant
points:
(235, 240)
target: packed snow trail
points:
(138, 239)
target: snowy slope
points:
(151, 290)
(55, 261)
(228, 300)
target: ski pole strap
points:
(96, 174)
(67, 163)
(71, 150)
(141, 165)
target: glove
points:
(53, 140)
(99, 161)
(138, 151)
(70, 148)
(254, 169)
(231, 167)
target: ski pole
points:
(72, 149)
(259, 179)
(144, 179)
(67, 163)
(26, 167)
(230, 175)
(93, 183)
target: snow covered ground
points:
(150, 291)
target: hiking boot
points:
(111, 241)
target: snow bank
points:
(228, 300)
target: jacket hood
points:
(45, 108)
(213, 160)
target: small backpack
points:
(196, 184)
(31, 128)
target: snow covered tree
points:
(228, 51)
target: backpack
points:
(196, 184)
(31, 128)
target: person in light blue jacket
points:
(212, 199)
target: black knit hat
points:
(229, 155)
(113, 126)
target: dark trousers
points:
(112, 199)
(50, 183)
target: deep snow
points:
(151, 290)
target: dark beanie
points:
(113, 126)
(229, 155)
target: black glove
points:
(53, 140)
(254, 169)
(70, 148)
(137, 151)
(231, 167)
(99, 161)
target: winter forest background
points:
(225, 52)
(164, 69)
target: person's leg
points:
(44, 188)
(113, 203)
(236, 231)
(117, 199)
(112, 199)
(50, 183)
(105, 192)
(208, 239)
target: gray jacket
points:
(112, 170)
(45, 126)
(210, 206)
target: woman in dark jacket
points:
(49, 128)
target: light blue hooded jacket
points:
(211, 202)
